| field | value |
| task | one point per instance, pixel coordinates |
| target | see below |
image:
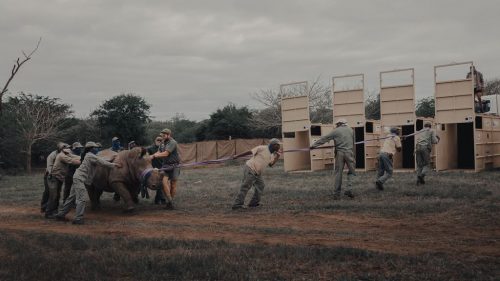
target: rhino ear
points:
(135, 152)
(143, 152)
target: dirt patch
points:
(400, 236)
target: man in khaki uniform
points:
(343, 136)
(51, 158)
(262, 156)
(57, 176)
(392, 144)
(425, 139)
(76, 149)
(83, 176)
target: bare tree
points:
(320, 102)
(492, 87)
(372, 106)
(36, 118)
(19, 62)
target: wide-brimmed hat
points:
(76, 145)
(166, 131)
(341, 121)
(90, 144)
(394, 130)
(274, 141)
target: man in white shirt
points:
(392, 144)
(262, 156)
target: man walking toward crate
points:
(426, 138)
(343, 136)
(392, 144)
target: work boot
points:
(379, 185)
(50, 216)
(116, 197)
(238, 207)
(79, 222)
(169, 206)
(254, 205)
(422, 181)
(129, 210)
(349, 194)
(60, 218)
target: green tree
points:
(124, 116)
(230, 121)
(425, 107)
(29, 120)
(183, 130)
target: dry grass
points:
(447, 230)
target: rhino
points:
(135, 172)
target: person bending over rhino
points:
(83, 176)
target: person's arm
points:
(159, 154)
(168, 150)
(397, 141)
(275, 159)
(50, 161)
(68, 159)
(105, 163)
(323, 139)
(435, 138)
(249, 152)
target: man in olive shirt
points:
(392, 144)
(343, 136)
(426, 138)
(262, 156)
(170, 168)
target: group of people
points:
(343, 137)
(75, 168)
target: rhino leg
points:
(122, 190)
(94, 196)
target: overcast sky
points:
(193, 57)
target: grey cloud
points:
(196, 56)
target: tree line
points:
(31, 125)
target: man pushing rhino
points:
(171, 170)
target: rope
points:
(222, 160)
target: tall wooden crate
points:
(397, 109)
(299, 133)
(469, 140)
(349, 103)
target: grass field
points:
(447, 230)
